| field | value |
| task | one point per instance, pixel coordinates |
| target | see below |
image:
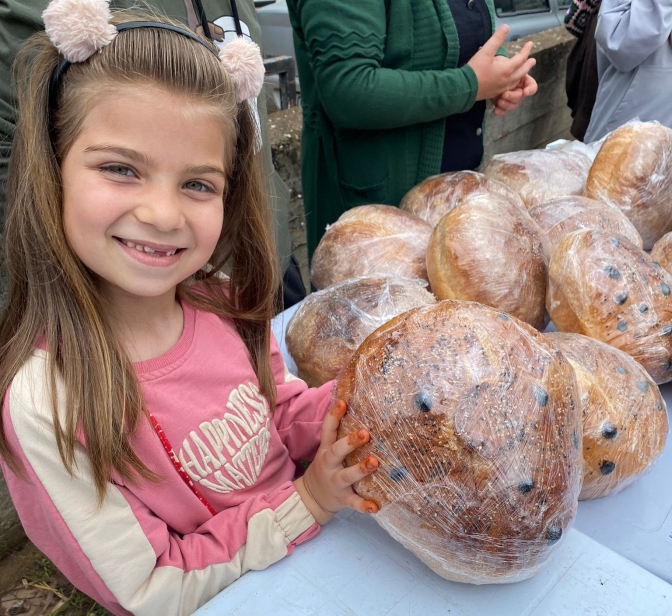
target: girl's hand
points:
(497, 74)
(508, 101)
(326, 486)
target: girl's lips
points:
(156, 259)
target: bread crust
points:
(604, 287)
(662, 252)
(624, 416)
(488, 250)
(437, 195)
(473, 417)
(633, 171)
(368, 240)
(540, 175)
(330, 324)
(559, 217)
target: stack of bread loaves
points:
(474, 419)
(633, 170)
(436, 196)
(371, 239)
(605, 287)
(330, 324)
(540, 175)
(488, 250)
(623, 414)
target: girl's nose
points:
(162, 208)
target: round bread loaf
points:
(633, 171)
(605, 287)
(559, 217)
(540, 175)
(662, 252)
(329, 326)
(371, 239)
(488, 250)
(433, 198)
(474, 421)
(623, 414)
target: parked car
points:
(523, 17)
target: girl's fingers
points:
(331, 423)
(359, 504)
(346, 445)
(356, 472)
(530, 86)
(512, 96)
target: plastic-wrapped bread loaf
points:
(662, 252)
(473, 418)
(434, 197)
(540, 175)
(603, 286)
(330, 324)
(488, 250)
(559, 217)
(633, 171)
(371, 239)
(624, 416)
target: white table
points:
(637, 522)
(354, 567)
(604, 567)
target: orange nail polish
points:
(370, 507)
(339, 409)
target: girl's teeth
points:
(147, 249)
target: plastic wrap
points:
(540, 175)
(560, 217)
(474, 420)
(624, 415)
(433, 198)
(488, 250)
(662, 252)
(371, 239)
(329, 326)
(603, 286)
(633, 171)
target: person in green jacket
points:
(19, 19)
(394, 91)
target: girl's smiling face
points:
(143, 189)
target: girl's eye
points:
(119, 170)
(197, 186)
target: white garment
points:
(634, 61)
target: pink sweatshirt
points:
(157, 549)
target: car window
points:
(513, 7)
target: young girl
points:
(150, 428)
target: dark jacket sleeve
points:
(345, 40)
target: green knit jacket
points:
(378, 79)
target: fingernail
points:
(370, 507)
(358, 438)
(339, 409)
(371, 464)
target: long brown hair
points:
(54, 298)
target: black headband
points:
(64, 64)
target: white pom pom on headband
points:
(79, 28)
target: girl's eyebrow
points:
(142, 158)
(125, 152)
